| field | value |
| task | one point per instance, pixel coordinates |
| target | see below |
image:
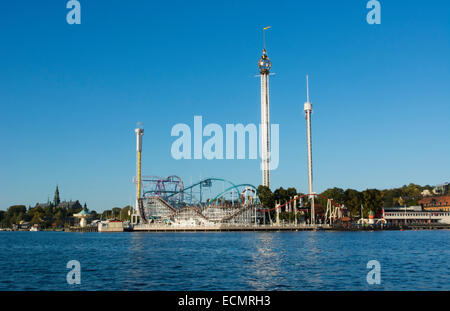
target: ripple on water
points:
(226, 261)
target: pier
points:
(279, 228)
(81, 229)
(225, 228)
(434, 226)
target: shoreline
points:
(161, 229)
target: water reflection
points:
(225, 261)
(136, 262)
(267, 262)
(312, 255)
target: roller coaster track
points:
(301, 196)
(191, 208)
(162, 200)
(233, 186)
(156, 198)
(165, 204)
(236, 214)
(160, 185)
(175, 212)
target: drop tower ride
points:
(264, 66)
(308, 112)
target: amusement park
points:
(219, 204)
(166, 203)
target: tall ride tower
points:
(139, 133)
(308, 111)
(264, 66)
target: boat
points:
(34, 228)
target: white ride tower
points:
(308, 112)
(139, 133)
(264, 66)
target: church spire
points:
(56, 199)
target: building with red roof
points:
(441, 203)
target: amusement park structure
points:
(264, 65)
(308, 111)
(165, 202)
(217, 203)
(209, 202)
(139, 132)
(213, 203)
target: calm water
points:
(410, 260)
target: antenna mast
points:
(307, 89)
(264, 35)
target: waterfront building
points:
(426, 193)
(110, 226)
(22, 226)
(416, 208)
(441, 189)
(415, 215)
(68, 205)
(441, 203)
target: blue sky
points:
(70, 95)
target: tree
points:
(336, 194)
(14, 210)
(94, 215)
(125, 213)
(59, 219)
(107, 214)
(353, 200)
(389, 197)
(291, 192)
(16, 213)
(427, 187)
(76, 208)
(266, 197)
(116, 212)
(281, 195)
(372, 201)
(4, 220)
(37, 218)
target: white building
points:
(413, 216)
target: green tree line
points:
(371, 199)
(56, 216)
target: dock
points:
(225, 228)
(427, 227)
(260, 228)
(278, 228)
(81, 229)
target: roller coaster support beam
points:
(295, 210)
(278, 213)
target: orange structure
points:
(441, 203)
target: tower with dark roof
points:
(56, 199)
